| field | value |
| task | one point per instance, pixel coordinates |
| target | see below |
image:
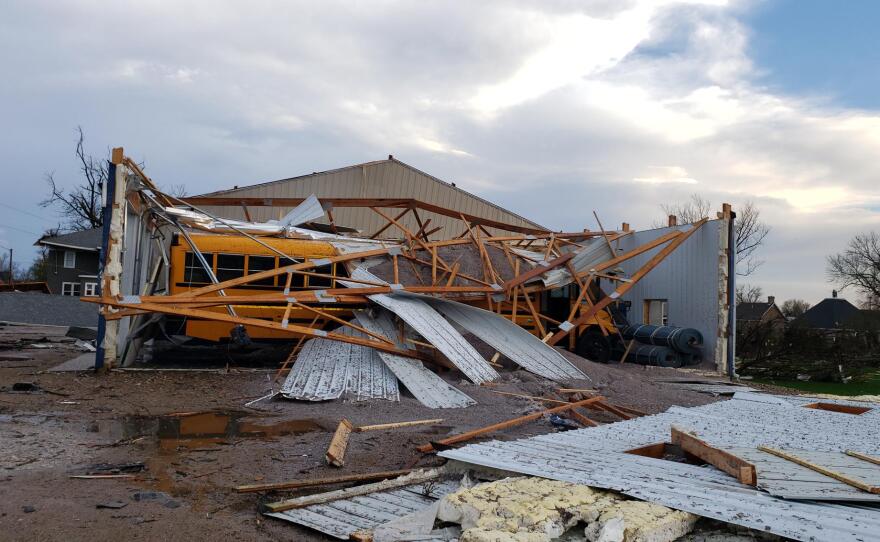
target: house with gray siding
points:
(72, 266)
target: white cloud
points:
(666, 174)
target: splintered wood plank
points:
(335, 455)
(301, 484)
(739, 468)
(426, 448)
(864, 457)
(396, 425)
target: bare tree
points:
(858, 266)
(176, 190)
(81, 205)
(746, 293)
(749, 230)
(750, 233)
(793, 308)
(688, 212)
(870, 303)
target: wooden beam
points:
(267, 324)
(848, 480)
(426, 448)
(738, 468)
(320, 482)
(396, 425)
(864, 457)
(601, 405)
(415, 477)
(537, 271)
(389, 224)
(335, 455)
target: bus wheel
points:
(594, 346)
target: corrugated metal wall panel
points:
(383, 179)
(688, 278)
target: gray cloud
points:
(552, 109)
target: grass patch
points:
(867, 386)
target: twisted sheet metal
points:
(425, 385)
(516, 343)
(594, 252)
(440, 333)
(307, 211)
(596, 457)
(326, 369)
(342, 518)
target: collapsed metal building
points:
(395, 265)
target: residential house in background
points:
(72, 266)
(831, 313)
(753, 314)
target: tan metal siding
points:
(384, 179)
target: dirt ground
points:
(197, 441)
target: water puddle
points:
(208, 429)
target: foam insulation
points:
(528, 509)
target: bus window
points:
(256, 264)
(321, 282)
(229, 266)
(193, 272)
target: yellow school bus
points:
(235, 256)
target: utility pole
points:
(11, 282)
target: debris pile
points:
(366, 314)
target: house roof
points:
(830, 313)
(78, 240)
(752, 311)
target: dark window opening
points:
(257, 264)
(230, 266)
(321, 282)
(193, 272)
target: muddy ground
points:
(81, 421)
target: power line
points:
(23, 212)
(19, 229)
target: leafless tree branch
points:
(80, 206)
(858, 266)
(750, 232)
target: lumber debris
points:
(864, 457)
(738, 468)
(320, 482)
(396, 425)
(849, 480)
(430, 447)
(335, 455)
(415, 477)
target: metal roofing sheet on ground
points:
(343, 517)
(432, 327)
(786, 479)
(595, 457)
(326, 369)
(516, 343)
(440, 333)
(425, 385)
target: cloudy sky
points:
(552, 108)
